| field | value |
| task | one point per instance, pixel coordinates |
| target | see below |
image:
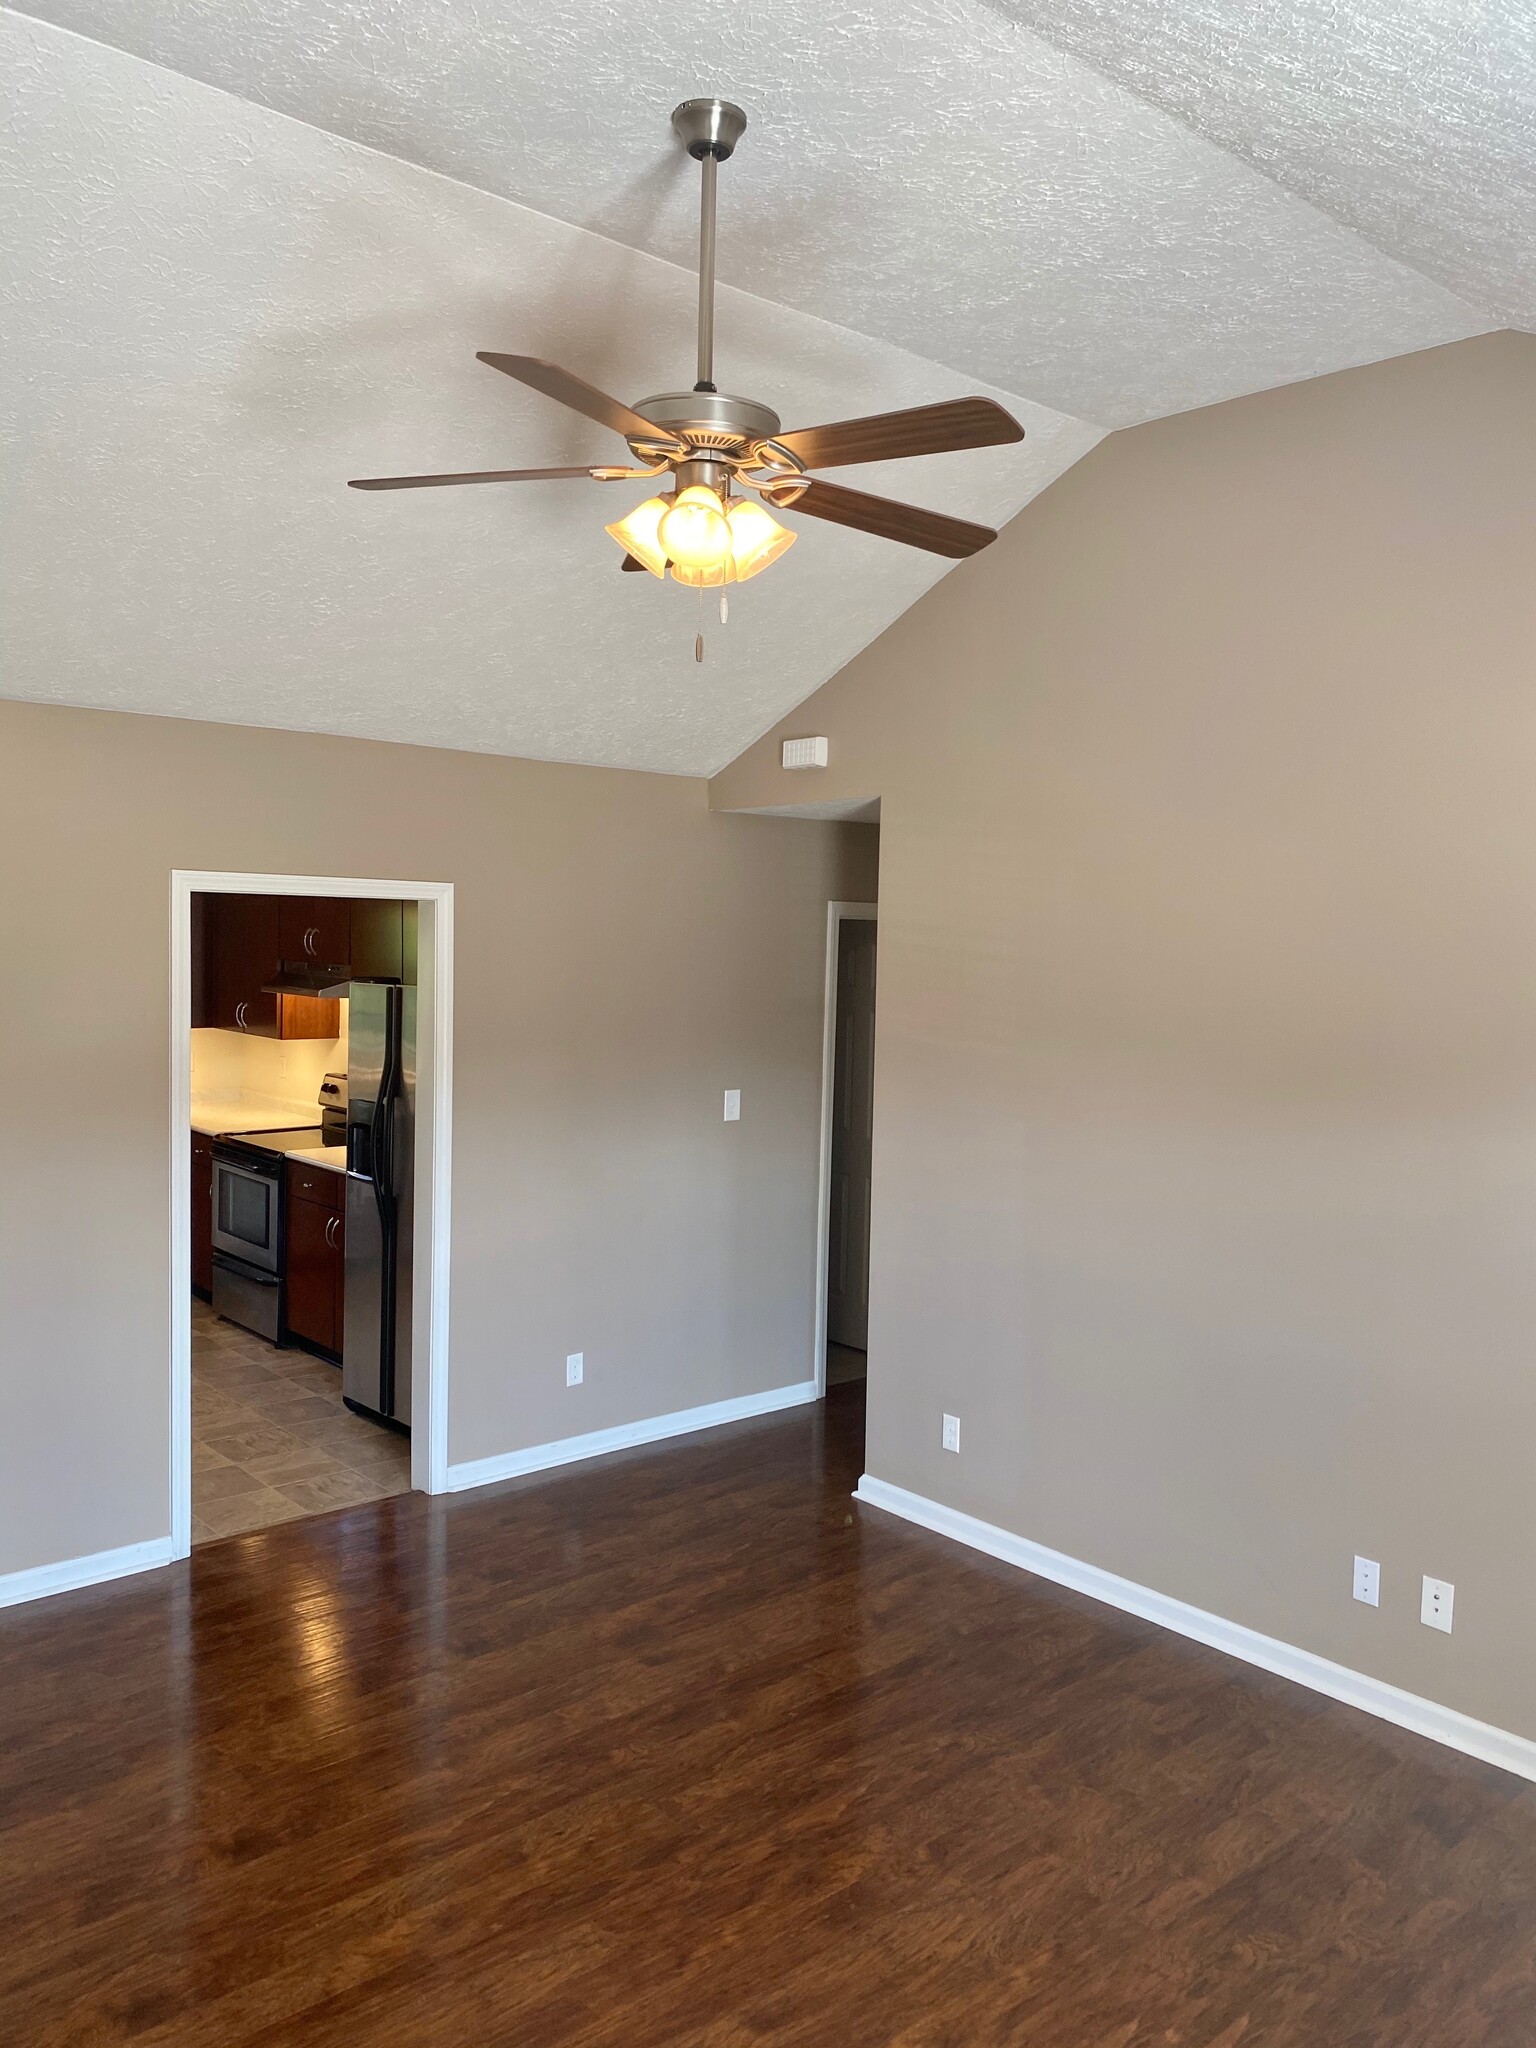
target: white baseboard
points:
(570, 1450)
(1516, 1753)
(70, 1573)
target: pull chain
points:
(725, 613)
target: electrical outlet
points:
(575, 1368)
(951, 1432)
(1439, 1598)
(733, 1105)
(1368, 1581)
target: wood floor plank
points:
(683, 1750)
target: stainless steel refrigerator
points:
(381, 1113)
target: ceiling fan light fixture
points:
(637, 533)
(756, 537)
(694, 533)
(705, 579)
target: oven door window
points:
(246, 1209)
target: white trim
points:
(1516, 1753)
(570, 1450)
(429, 1406)
(70, 1573)
(836, 913)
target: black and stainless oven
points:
(247, 1226)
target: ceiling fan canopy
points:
(705, 529)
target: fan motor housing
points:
(714, 422)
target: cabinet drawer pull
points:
(330, 1227)
(240, 1015)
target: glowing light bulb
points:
(694, 532)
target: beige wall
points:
(622, 957)
(1205, 1147)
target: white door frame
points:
(836, 914)
(433, 1156)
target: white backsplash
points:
(233, 1067)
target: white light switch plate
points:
(1439, 1599)
(1368, 1581)
(733, 1105)
(575, 1368)
(951, 1432)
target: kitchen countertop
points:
(333, 1158)
(215, 1116)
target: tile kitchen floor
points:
(270, 1438)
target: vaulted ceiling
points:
(253, 248)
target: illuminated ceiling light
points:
(694, 532)
(756, 537)
(636, 533)
(705, 579)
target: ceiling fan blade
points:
(935, 531)
(475, 476)
(921, 430)
(581, 397)
(630, 562)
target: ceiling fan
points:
(705, 530)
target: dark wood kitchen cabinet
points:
(314, 931)
(202, 1214)
(378, 940)
(241, 935)
(314, 1262)
(237, 947)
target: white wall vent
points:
(805, 753)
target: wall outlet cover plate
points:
(1439, 1600)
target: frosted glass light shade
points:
(694, 531)
(705, 579)
(756, 537)
(637, 534)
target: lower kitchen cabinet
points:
(202, 1213)
(314, 1264)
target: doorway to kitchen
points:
(847, 1123)
(311, 1125)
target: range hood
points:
(293, 980)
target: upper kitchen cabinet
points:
(383, 941)
(241, 935)
(314, 931)
(237, 949)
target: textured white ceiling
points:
(213, 316)
(921, 170)
(1414, 121)
(216, 313)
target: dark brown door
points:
(315, 931)
(853, 1110)
(338, 1239)
(243, 944)
(313, 1255)
(202, 1212)
(378, 941)
(202, 963)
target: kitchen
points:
(303, 1071)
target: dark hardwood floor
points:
(682, 1750)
